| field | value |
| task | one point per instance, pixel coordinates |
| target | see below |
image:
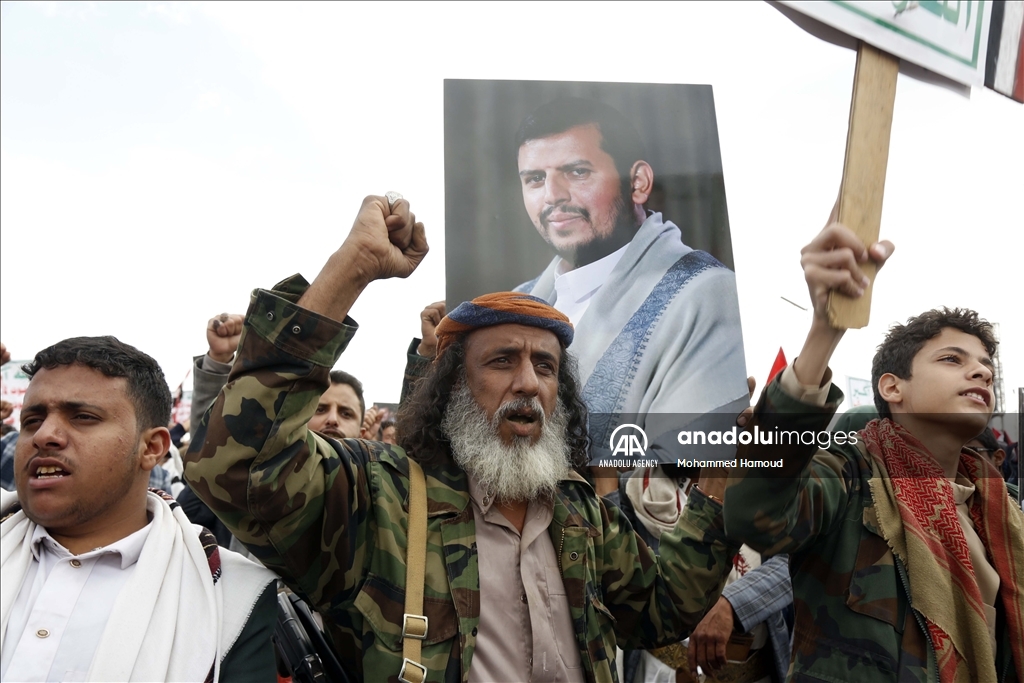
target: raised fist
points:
(430, 318)
(371, 423)
(385, 241)
(223, 333)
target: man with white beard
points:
(522, 470)
(526, 574)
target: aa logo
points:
(629, 441)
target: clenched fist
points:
(385, 242)
(223, 332)
(387, 239)
(430, 318)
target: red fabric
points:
(1018, 90)
(990, 507)
(925, 500)
(778, 366)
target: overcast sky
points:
(158, 161)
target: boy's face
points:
(951, 381)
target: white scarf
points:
(656, 498)
(170, 634)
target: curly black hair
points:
(896, 353)
(420, 417)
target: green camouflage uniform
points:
(331, 518)
(854, 618)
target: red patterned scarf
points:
(917, 513)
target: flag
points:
(778, 366)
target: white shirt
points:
(62, 609)
(574, 289)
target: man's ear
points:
(153, 446)
(641, 182)
(890, 388)
(998, 457)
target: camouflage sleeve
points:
(297, 501)
(416, 368)
(207, 381)
(783, 509)
(657, 600)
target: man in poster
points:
(658, 327)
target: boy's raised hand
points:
(833, 260)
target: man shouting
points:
(528, 575)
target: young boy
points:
(906, 551)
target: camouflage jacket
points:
(854, 617)
(331, 518)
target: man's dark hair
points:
(896, 354)
(342, 377)
(147, 388)
(420, 417)
(619, 137)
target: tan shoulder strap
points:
(414, 623)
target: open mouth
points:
(524, 417)
(524, 421)
(979, 395)
(50, 472)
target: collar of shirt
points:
(579, 284)
(478, 494)
(484, 501)
(129, 547)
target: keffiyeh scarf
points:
(917, 515)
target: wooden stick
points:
(867, 153)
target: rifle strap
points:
(414, 626)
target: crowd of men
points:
(470, 540)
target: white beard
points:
(510, 472)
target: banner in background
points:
(13, 384)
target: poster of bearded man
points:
(606, 200)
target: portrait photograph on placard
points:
(606, 200)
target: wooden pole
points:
(867, 153)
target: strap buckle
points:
(412, 672)
(414, 626)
